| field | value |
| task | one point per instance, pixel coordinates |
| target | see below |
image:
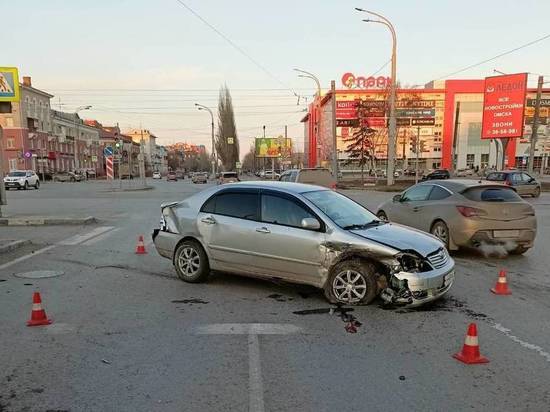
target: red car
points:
(171, 176)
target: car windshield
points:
(496, 177)
(342, 210)
(17, 174)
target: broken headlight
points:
(411, 262)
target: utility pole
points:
(141, 158)
(417, 150)
(3, 200)
(535, 126)
(334, 137)
(455, 138)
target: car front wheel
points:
(37, 185)
(191, 262)
(26, 187)
(352, 282)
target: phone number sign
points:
(504, 106)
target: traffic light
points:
(413, 144)
(118, 145)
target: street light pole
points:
(3, 200)
(311, 76)
(76, 124)
(393, 124)
(214, 157)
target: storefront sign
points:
(346, 109)
(543, 102)
(410, 104)
(351, 81)
(415, 112)
(426, 121)
(504, 106)
(376, 121)
(347, 122)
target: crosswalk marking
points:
(99, 238)
(77, 239)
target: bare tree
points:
(227, 142)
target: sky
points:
(146, 63)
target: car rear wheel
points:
(191, 262)
(382, 216)
(441, 231)
(352, 282)
(536, 192)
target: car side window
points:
(234, 204)
(294, 176)
(525, 178)
(282, 211)
(438, 193)
(515, 178)
(416, 193)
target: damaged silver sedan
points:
(303, 234)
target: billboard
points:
(9, 84)
(273, 147)
(504, 106)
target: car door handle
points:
(416, 208)
(209, 220)
(263, 229)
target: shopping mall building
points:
(445, 114)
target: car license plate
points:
(12, 184)
(505, 233)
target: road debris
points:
(352, 324)
(190, 300)
(106, 361)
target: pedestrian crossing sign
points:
(9, 84)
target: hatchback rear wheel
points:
(352, 282)
(536, 192)
(441, 231)
(191, 262)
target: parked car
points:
(21, 179)
(523, 182)
(180, 174)
(200, 177)
(315, 176)
(270, 175)
(157, 175)
(66, 177)
(464, 172)
(465, 213)
(303, 234)
(171, 176)
(437, 174)
(228, 177)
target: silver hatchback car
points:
(304, 234)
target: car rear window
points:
(491, 194)
(240, 205)
(496, 177)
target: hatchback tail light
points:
(333, 186)
(467, 211)
(508, 183)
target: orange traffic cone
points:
(501, 288)
(38, 315)
(140, 248)
(470, 351)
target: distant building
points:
(152, 161)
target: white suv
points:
(21, 179)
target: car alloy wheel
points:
(536, 193)
(26, 185)
(349, 286)
(441, 231)
(189, 261)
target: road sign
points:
(230, 140)
(108, 151)
(94, 158)
(27, 155)
(9, 84)
(238, 165)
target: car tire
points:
(536, 193)
(441, 231)
(73, 180)
(26, 187)
(520, 250)
(344, 275)
(382, 216)
(191, 262)
(37, 185)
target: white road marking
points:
(255, 383)
(25, 257)
(527, 345)
(77, 239)
(99, 238)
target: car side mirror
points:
(310, 223)
(397, 198)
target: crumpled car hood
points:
(401, 237)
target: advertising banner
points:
(346, 109)
(504, 106)
(9, 84)
(415, 112)
(273, 147)
(427, 121)
(347, 122)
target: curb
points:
(140, 189)
(16, 244)
(46, 221)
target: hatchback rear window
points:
(496, 177)
(492, 194)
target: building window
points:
(13, 164)
(5, 107)
(470, 160)
(10, 143)
(484, 160)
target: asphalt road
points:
(128, 336)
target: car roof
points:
(289, 187)
(459, 185)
